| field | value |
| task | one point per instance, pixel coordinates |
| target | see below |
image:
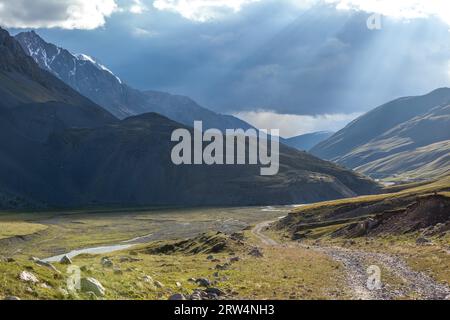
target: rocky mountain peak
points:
(13, 58)
(80, 71)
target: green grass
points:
(284, 272)
(341, 211)
(314, 276)
(10, 285)
(13, 229)
(212, 242)
(442, 185)
(66, 231)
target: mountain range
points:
(60, 149)
(406, 139)
(95, 81)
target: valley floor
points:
(230, 253)
(141, 273)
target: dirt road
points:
(258, 232)
(357, 263)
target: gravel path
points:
(356, 264)
(258, 232)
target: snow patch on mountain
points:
(50, 57)
(85, 57)
(39, 53)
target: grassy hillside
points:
(418, 164)
(334, 215)
(403, 140)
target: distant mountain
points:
(307, 141)
(58, 148)
(132, 166)
(406, 139)
(98, 83)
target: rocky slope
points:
(415, 210)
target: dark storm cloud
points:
(271, 56)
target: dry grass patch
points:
(13, 229)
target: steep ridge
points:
(33, 104)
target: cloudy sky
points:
(297, 65)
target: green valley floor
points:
(320, 251)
